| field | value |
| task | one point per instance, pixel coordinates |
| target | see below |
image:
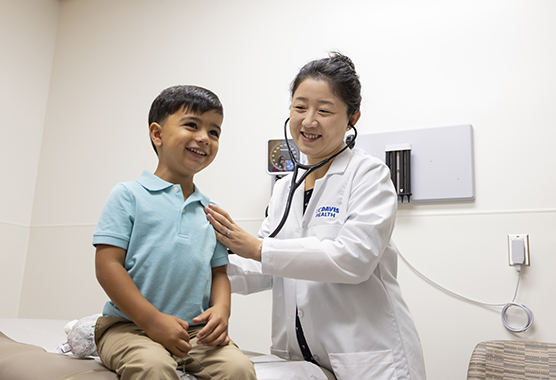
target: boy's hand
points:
(215, 332)
(171, 332)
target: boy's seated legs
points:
(127, 350)
(216, 362)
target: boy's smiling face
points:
(186, 143)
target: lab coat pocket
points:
(375, 365)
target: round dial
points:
(279, 160)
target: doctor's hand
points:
(231, 235)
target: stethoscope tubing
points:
(308, 170)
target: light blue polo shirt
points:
(171, 247)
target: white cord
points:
(505, 307)
(526, 310)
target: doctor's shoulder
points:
(367, 172)
(363, 161)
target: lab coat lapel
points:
(340, 163)
(297, 208)
(296, 218)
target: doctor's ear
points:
(353, 119)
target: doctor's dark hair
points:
(339, 71)
(197, 100)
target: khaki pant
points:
(126, 349)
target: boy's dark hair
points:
(197, 100)
(339, 71)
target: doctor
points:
(332, 268)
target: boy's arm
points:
(215, 332)
(165, 329)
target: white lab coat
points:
(337, 263)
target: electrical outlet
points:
(518, 249)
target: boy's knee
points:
(146, 364)
(240, 368)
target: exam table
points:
(28, 351)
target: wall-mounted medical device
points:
(398, 159)
(441, 160)
(279, 161)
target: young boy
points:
(158, 260)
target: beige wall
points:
(423, 64)
(27, 38)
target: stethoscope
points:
(350, 142)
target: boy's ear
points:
(155, 131)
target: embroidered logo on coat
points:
(327, 212)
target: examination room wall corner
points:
(81, 74)
(28, 31)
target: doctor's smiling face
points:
(318, 120)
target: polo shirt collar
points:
(153, 183)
